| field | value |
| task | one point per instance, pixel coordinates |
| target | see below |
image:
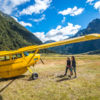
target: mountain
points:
(49, 41)
(13, 35)
(93, 52)
(93, 27)
(82, 47)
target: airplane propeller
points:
(41, 61)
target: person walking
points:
(73, 62)
(68, 66)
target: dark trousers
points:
(70, 69)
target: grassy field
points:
(51, 86)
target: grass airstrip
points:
(51, 85)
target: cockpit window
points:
(4, 58)
(15, 56)
(19, 55)
(32, 52)
(26, 53)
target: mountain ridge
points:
(82, 47)
(13, 35)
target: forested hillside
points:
(13, 35)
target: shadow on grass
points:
(1, 90)
(30, 79)
(60, 76)
(12, 80)
(1, 97)
(6, 79)
(63, 78)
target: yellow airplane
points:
(16, 62)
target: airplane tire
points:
(34, 76)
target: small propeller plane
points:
(16, 62)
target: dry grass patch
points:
(51, 87)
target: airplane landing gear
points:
(34, 76)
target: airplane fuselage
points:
(17, 64)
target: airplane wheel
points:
(34, 76)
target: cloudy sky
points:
(52, 19)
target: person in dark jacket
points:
(73, 61)
(68, 66)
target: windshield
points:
(26, 53)
(15, 56)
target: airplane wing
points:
(68, 41)
(44, 46)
